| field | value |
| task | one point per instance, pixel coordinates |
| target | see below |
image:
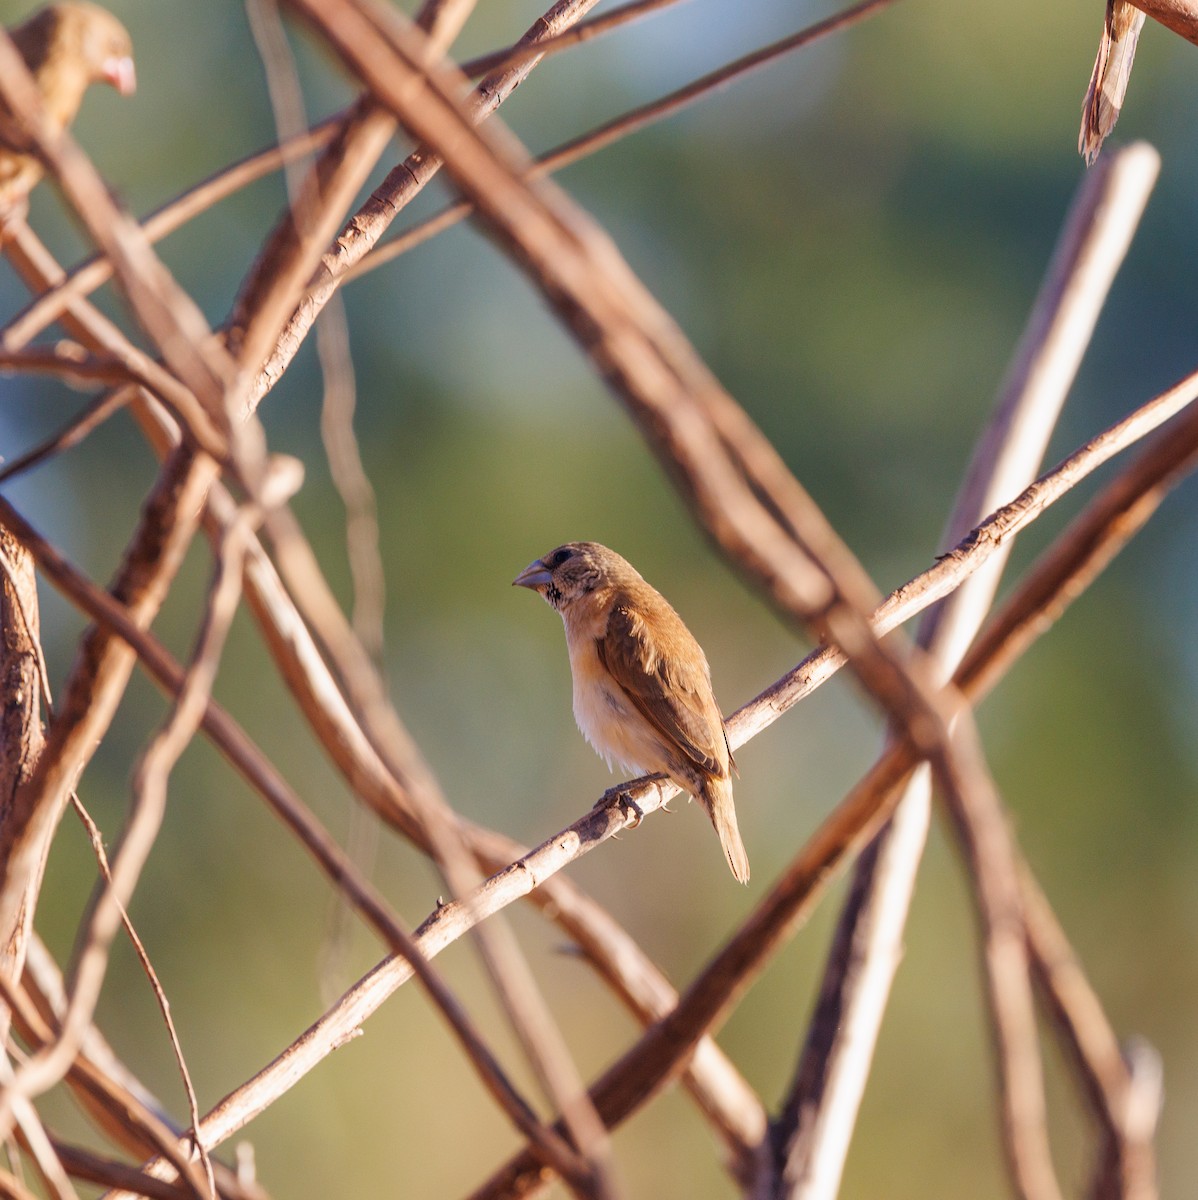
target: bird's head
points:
(573, 571)
(82, 40)
(104, 45)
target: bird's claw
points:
(620, 798)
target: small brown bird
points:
(67, 47)
(642, 687)
(1109, 79)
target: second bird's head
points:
(81, 36)
(572, 571)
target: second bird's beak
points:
(536, 576)
(121, 74)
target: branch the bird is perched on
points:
(67, 48)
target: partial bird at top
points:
(67, 47)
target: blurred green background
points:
(852, 239)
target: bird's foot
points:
(621, 799)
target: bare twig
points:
(604, 135)
(401, 186)
(143, 957)
(91, 418)
(1060, 576)
(813, 1131)
(120, 1111)
(1083, 552)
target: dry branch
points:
(811, 1136)
(1059, 577)
(1085, 547)
(742, 491)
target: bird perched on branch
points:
(67, 47)
(642, 687)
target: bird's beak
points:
(536, 576)
(121, 74)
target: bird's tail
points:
(716, 797)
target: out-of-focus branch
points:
(586, 144)
(1112, 1089)
(1079, 554)
(1179, 15)
(1058, 578)
(813, 1131)
(401, 186)
(69, 368)
(91, 418)
(21, 737)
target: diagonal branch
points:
(400, 187)
(1071, 565)
(813, 1130)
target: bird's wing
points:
(663, 672)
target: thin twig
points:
(1139, 490)
(91, 418)
(400, 187)
(1058, 578)
(143, 957)
(586, 144)
(815, 1125)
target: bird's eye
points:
(559, 556)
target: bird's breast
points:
(605, 715)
